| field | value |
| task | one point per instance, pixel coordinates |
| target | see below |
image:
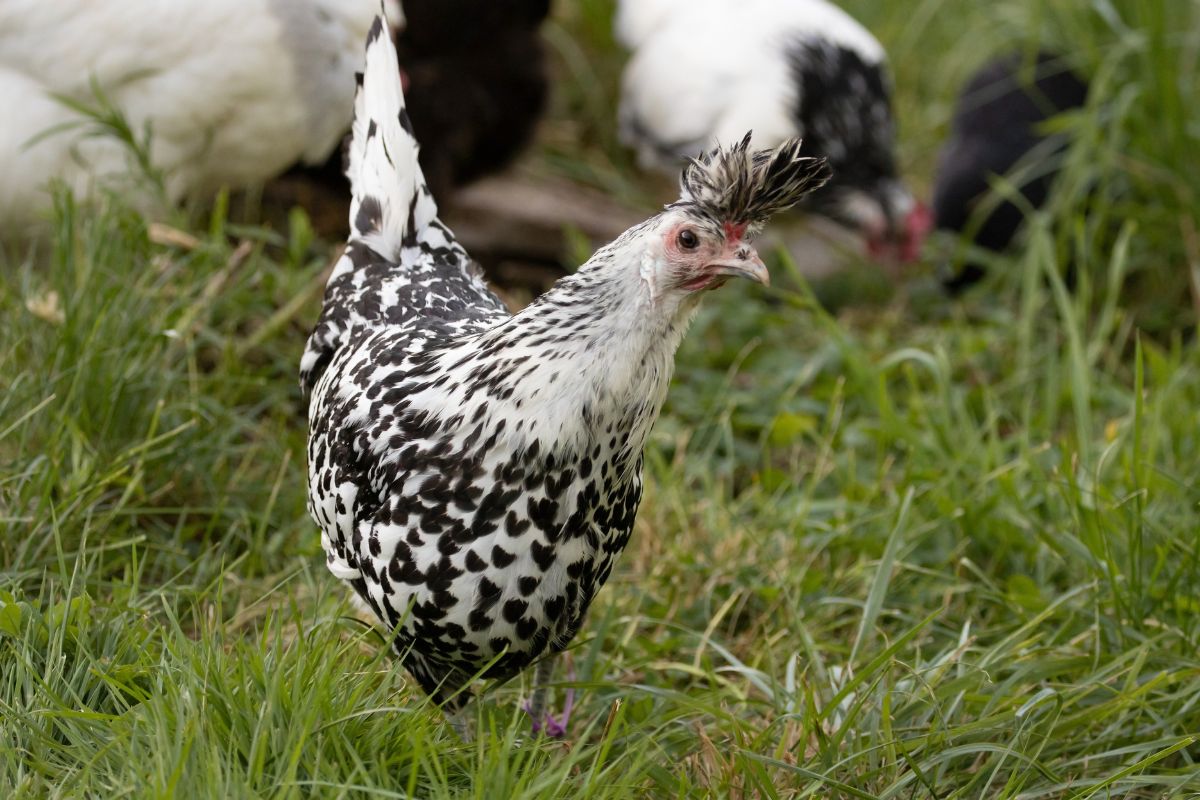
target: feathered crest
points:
(733, 184)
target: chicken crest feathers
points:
(735, 184)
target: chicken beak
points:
(743, 264)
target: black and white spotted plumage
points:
(475, 474)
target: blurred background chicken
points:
(999, 143)
(706, 71)
(219, 93)
(476, 84)
(476, 81)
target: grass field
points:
(918, 549)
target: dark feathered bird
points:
(477, 83)
(704, 72)
(474, 473)
(996, 129)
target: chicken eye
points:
(688, 239)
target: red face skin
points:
(712, 260)
(905, 245)
(734, 231)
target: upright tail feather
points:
(391, 203)
(393, 226)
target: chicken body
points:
(230, 92)
(475, 474)
(996, 133)
(703, 72)
(488, 56)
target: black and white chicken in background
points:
(475, 473)
(997, 132)
(704, 72)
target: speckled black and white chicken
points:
(475, 473)
(703, 72)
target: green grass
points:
(924, 549)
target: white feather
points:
(234, 91)
(383, 164)
(704, 72)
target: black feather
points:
(995, 130)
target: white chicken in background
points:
(703, 72)
(231, 91)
